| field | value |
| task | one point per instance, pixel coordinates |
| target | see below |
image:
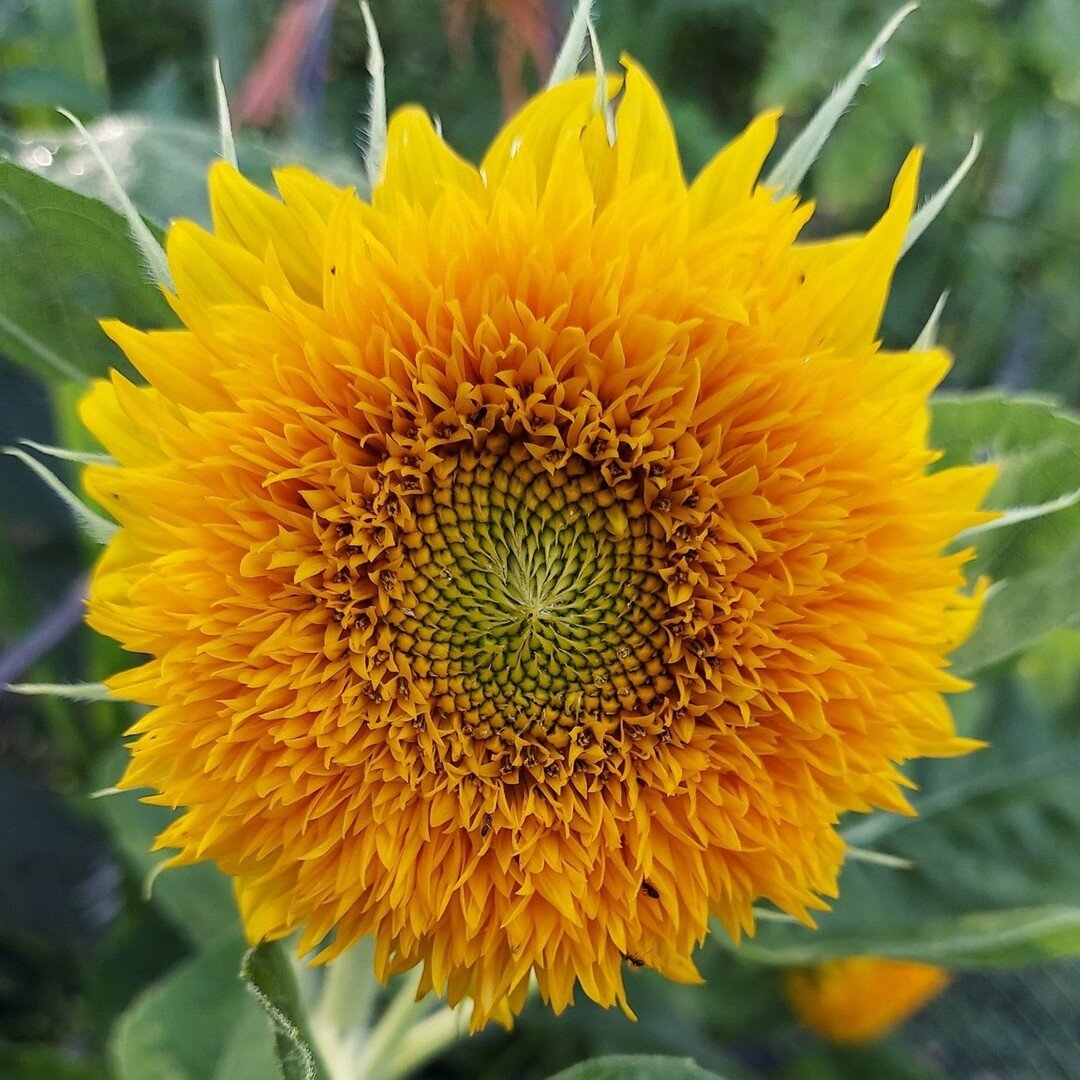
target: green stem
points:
(342, 1017)
(405, 1036)
(400, 1016)
(349, 992)
(425, 1040)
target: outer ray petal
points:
(844, 283)
(644, 136)
(248, 217)
(549, 117)
(210, 272)
(420, 166)
(729, 179)
(174, 362)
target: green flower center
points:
(535, 602)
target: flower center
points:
(511, 595)
(535, 603)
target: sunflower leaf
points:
(185, 1025)
(1031, 554)
(84, 268)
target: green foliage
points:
(197, 900)
(994, 850)
(636, 1067)
(1034, 563)
(84, 268)
(269, 976)
(182, 1027)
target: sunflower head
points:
(534, 560)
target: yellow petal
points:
(729, 179)
(254, 220)
(419, 164)
(209, 271)
(549, 117)
(173, 361)
(644, 137)
(112, 411)
(844, 283)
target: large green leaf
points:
(183, 1027)
(66, 261)
(636, 1067)
(996, 862)
(1033, 555)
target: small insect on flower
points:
(533, 560)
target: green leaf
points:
(84, 268)
(1033, 556)
(1034, 442)
(197, 900)
(1018, 936)
(996, 864)
(636, 1067)
(249, 1053)
(183, 1027)
(1022, 610)
(162, 162)
(269, 976)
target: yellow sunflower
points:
(534, 561)
(859, 999)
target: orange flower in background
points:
(860, 999)
(534, 561)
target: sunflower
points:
(861, 998)
(534, 560)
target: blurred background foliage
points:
(82, 953)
